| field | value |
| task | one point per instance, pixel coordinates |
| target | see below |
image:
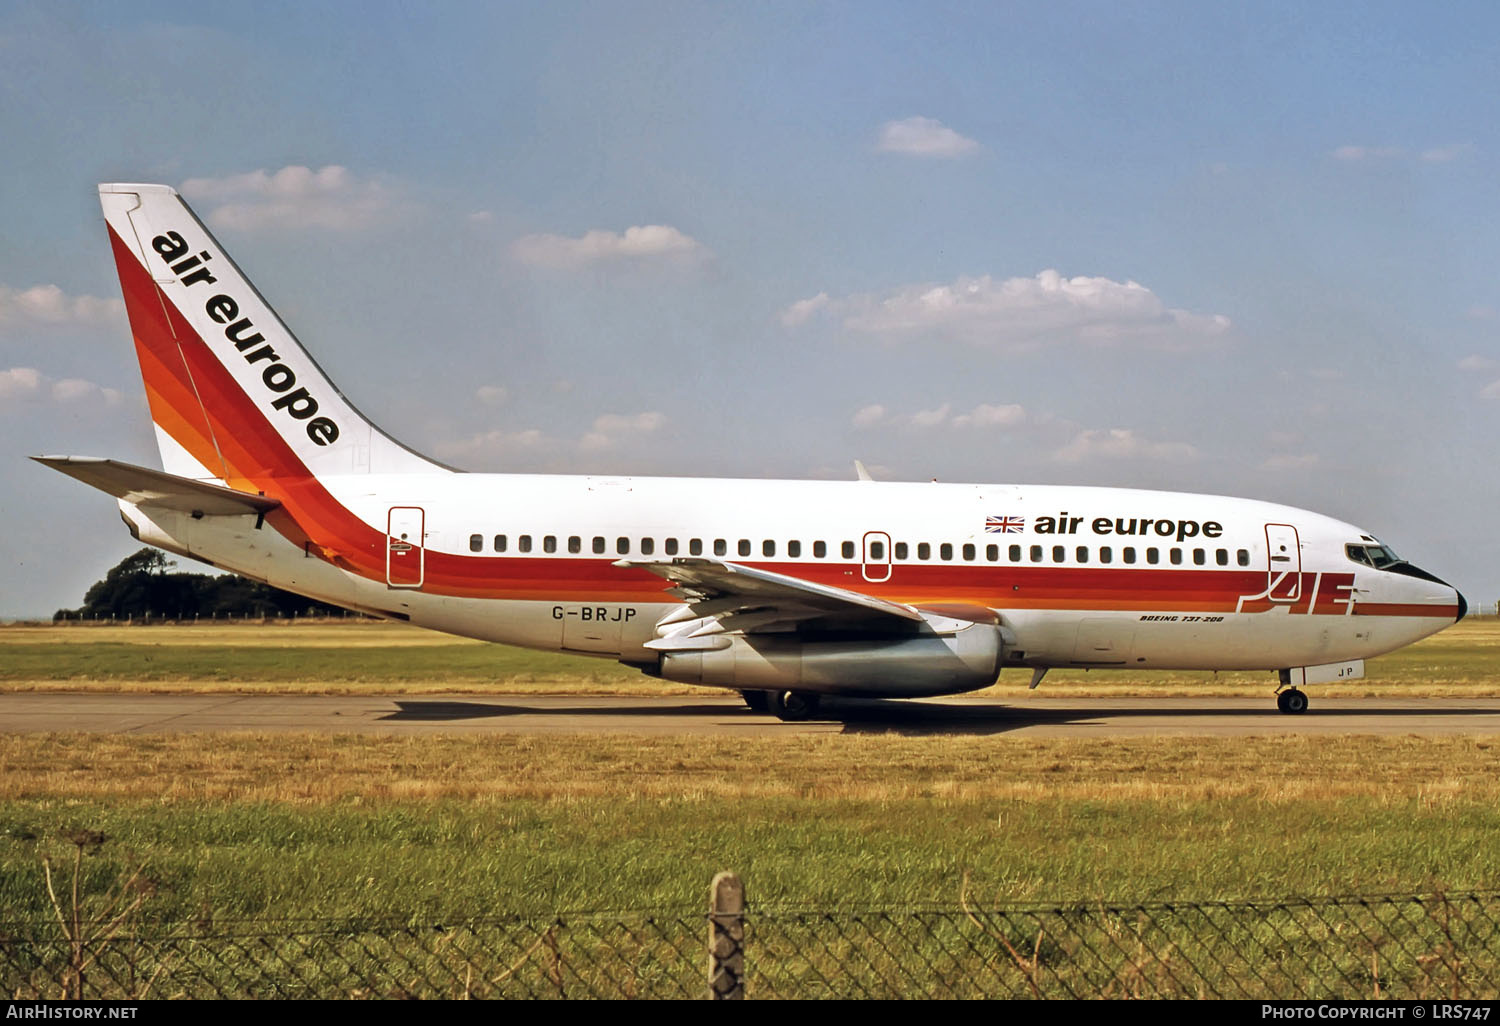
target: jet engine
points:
(898, 666)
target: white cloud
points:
(492, 395)
(803, 310)
(20, 382)
(984, 415)
(1445, 154)
(531, 445)
(28, 383)
(612, 427)
(296, 197)
(1431, 155)
(638, 244)
(48, 304)
(923, 137)
(1122, 444)
(1480, 312)
(1367, 152)
(1020, 312)
(1490, 391)
(1476, 363)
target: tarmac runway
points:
(716, 714)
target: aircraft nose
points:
(1463, 606)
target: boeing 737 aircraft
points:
(784, 590)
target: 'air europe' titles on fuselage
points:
(278, 377)
(1178, 530)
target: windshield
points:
(1378, 556)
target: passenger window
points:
(1128, 554)
(1152, 555)
(924, 550)
(695, 547)
(848, 550)
(476, 543)
(671, 546)
(524, 543)
(1082, 553)
(1221, 556)
(1199, 557)
(992, 553)
(721, 547)
(549, 543)
(945, 551)
(1015, 553)
(877, 552)
(648, 546)
(901, 550)
(1176, 556)
(1036, 553)
(744, 546)
(1059, 553)
(598, 545)
(1106, 554)
(969, 553)
(820, 550)
(768, 548)
(575, 543)
(794, 549)
(1243, 556)
(622, 546)
(499, 543)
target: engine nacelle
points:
(897, 667)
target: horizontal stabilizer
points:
(143, 486)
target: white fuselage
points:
(1079, 576)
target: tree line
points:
(144, 585)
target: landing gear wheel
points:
(794, 706)
(759, 701)
(1291, 701)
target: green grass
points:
(290, 827)
(384, 658)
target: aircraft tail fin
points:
(234, 396)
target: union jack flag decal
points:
(1004, 525)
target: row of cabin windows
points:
(900, 550)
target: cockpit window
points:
(1377, 556)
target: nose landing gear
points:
(1291, 701)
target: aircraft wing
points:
(146, 487)
(723, 597)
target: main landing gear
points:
(1291, 701)
(792, 706)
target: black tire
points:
(794, 706)
(1281, 700)
(758, 701)
(1292, 701)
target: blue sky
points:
(1244, 249)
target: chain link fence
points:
(1438, 946)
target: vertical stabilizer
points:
(234, 396)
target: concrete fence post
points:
(726, 938)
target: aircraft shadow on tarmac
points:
(915, 718)
(436, 712)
